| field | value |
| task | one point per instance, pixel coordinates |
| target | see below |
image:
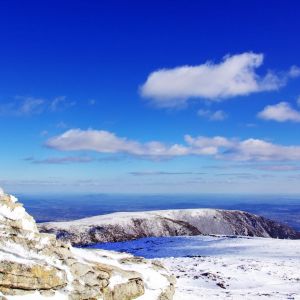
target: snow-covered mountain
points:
(35, 265)
(132, 225)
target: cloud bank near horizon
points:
(217, 147)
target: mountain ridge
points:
(122, 226)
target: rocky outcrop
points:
(127, 226)
(37, 265)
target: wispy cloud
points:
(248, 176)
(294, 71)
(251, 125)
(27, 106)
(234, 76)
(216, 147)
(280, 112)
(92, 102)
(278, 168)
(218, 115)
(72, 160)
(164, 173)
(61, 160)
(23, 106)
(62, 125)
(60, 103)
(261, 166)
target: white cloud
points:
(234, 76)
(260, 150)
(216, 147)
(280, 112)
(294, 71)
(218, 115)
(107, 142)
(206, 145)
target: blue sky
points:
(150, 96)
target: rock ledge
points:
(37, 265)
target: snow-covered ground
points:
(224, 267)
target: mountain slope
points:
(34, 265)
(128, 226)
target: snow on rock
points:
(220, 267)
(132, 225)
(36, 265)
(13, 214)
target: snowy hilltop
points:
(35, 265)
(132, 225)
(233, 268)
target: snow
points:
(13, 198)
(116, 279)
(19, 251)
(219, 267)
(17, 213)
(206, 267)
(12, 214)
(155, 282)
(126, 217)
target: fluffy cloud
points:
(218, 115)
(280, 112)
(216, 147)
(234, 76)
(107, 142)
(260, 150)
(206, 145)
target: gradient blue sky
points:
(78, 105)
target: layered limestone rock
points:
(36, 265)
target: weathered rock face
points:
(40, 265)
(127, 226)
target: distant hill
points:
(133, 225)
